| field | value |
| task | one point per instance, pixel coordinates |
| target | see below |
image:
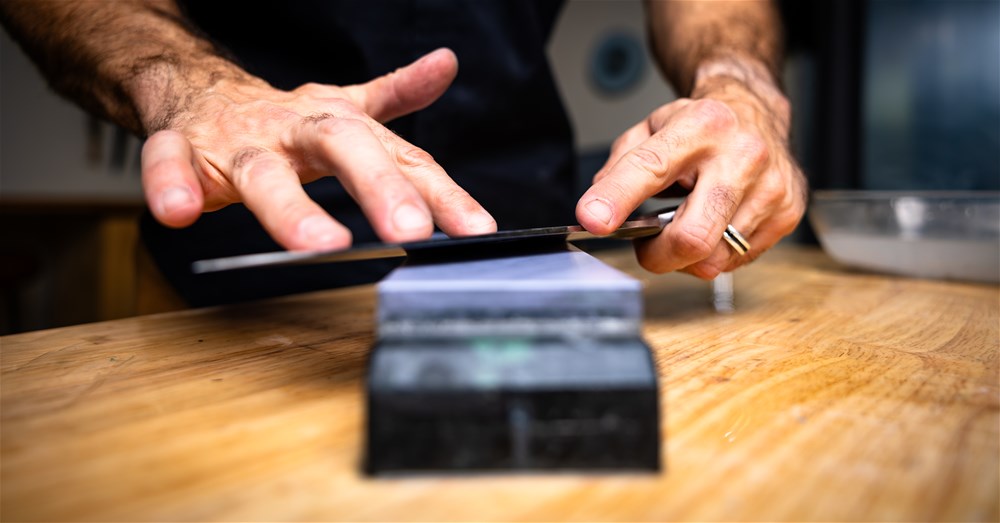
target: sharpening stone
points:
(528, 362)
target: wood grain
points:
(827, 395)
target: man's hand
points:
(252, 143)
(220, 135)
(727, 143)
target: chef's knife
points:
(644, 226)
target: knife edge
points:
(638, 228)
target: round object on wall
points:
(617, 63)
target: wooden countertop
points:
(828, 394)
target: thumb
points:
(407, 89)
(170, 179)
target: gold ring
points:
(736, 240)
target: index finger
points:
(638, 175)
(170, 179)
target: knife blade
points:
(649, 225)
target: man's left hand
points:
(728, 145)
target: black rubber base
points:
(501, 405)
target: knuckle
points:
(713, 114)
(772, 190)
(246, 155)
(753, 149)
(333, 126)
(647, 160)
(318, 118)
(310, 88)
(332, 107)
(341, 107)
(412, 156)
(613, 189)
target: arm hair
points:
(134, 62)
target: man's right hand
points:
(248, 142)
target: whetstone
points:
(524, 362)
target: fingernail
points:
(601, 210)
(175, 198)
(317, 229)
(408, 217)
(480, 222)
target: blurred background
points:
(887, 94)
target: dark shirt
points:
(500, 131)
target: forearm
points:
(702, 45)
(689, 35)
(135, 62)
